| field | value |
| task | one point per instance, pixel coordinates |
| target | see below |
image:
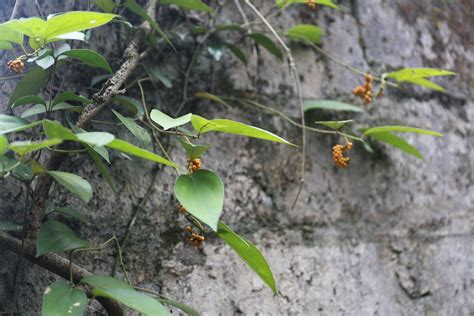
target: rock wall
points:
(391, 235)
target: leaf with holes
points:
(57, 237)
(202, 194)
(60, 298)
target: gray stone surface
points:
(391, 235)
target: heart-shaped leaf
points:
(168, 122)
(60, 298)
(57, 237)
(202, 194)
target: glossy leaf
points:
(334, 124)
(202, 194)
(330, 105)
(202, 125)
(249, 254)
(122, 292)
(267, 43)
(128, 148)
(133, 6)
(89, 57)
(95, 138)
(189, 4)
(29, 99)
(74, 184)
(24, 147)
(194, 151)
(71, 213)
(405, 129)
(9, 35)
(61, 299)
(397, 142)
(57, 237)
(30, 84)
(168, 122)
(10, 124)
(139, 132)
(307, 32)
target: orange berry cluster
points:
(365, 91)
(196, 239)
(16, 65)
(337, 155)
(194, 165)
(311, 4)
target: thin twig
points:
(294, 71)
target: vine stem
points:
(294, 71)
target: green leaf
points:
(24, 147)
(139, 132)
(71, 213)
(397, 142)
(194, 151)
(94, 152)
(89, 57)
(267, 43)
(405, 129)
(75, 21)
(11, 124)
(209, 96)
(29, 99)
(61, 299)
(131, 104)
(128, 148)
(284, 3)
(63, 47)
(168, 122)
(185, 308)
(105, 5)
(9, 226)
(133, 6)
(57, 237)
(122, 292)
(330, 105)
(202, 194)
(237, 52)
(3, 144)
(70, 96)
(334, 124)
(8, 164)
(74, 184)
(310, 33)
(95, 138)
(202, 125)
(6, 45)
(249, 254)
(30, 84)
(189, 4)
(40, 109)
(418, 76)
(9, 35)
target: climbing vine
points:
(47, 123)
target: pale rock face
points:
(391, 235)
